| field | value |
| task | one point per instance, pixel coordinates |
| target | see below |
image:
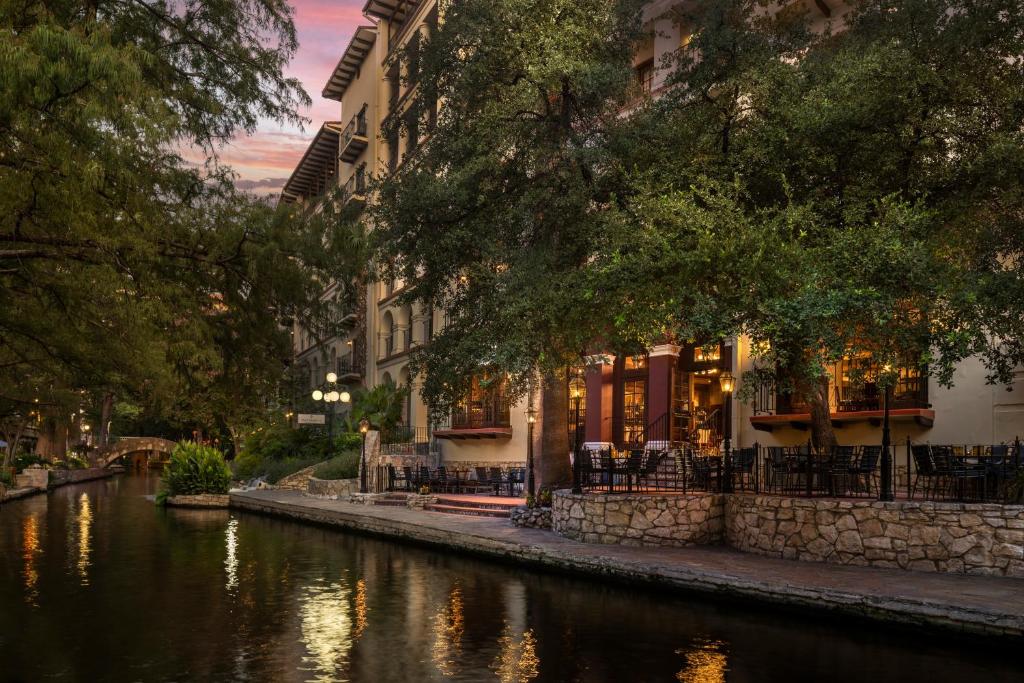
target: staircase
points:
(395, 500)
(486, 507)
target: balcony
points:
(855, 397)
(350, 368)
(484, 414)
(354, 189)
(354, 138)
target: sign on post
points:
(312, 419)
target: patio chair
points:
(839, 469)
(516, 480)
(407, 478)
(958, 476)
(483, 480)
(924, 467)
(440, 481)
(779, 468)
(743, 467)
(865, 469)
(649, 472)
(496, 479)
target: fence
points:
(919, 471)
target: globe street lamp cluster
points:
(329, 394)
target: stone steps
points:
(472, 511)
(397, 500)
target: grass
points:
(344, 466)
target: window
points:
(485, 404)
(634, 410)
(635, 363)
(644, 75)
(582, 416)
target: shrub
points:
(194, 468)
(276, 470)
(344, 466)
(23, 460)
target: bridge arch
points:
(109, 454)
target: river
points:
(97, 584)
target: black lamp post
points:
(576, 386)
(885, 491)
(364, 427)
(727, 382)
(329, 394)
(531, 418)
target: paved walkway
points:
(977, 604)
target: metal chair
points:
(866, 467)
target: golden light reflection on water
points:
(84, 519)
(705, 663)
(231, 557)
(361, 608)
(326, 630)
(449, 624)
(29, 550)
(517, 660)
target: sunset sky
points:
(266, 159)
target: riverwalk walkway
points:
(977, 604)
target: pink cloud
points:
(324, 29)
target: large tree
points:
(857, 188)
(494, 218)
(122, 267)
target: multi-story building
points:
(670, 393)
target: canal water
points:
(97, 584)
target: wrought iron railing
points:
(987, 473)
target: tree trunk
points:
(553, 467)
(823, 437)
(106, 409)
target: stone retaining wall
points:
(962, 538)
(530, 518)
(658, 520)
(201, 500)
(332, 488)
(62, 477)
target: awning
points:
(922, 416)
(350, 62)
(319, 163)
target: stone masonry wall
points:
(332, 488)
(200, 500)
(959, 538)
(962, 538)
(675, 520)
(530, 518)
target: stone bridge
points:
(107, 455)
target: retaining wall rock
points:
(530, 518)
(332, 488)
(640, 519)
(201, 500)
(961, 538)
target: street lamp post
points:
(531, 418)
(329, 394)
(364, 427)
(576, 386)
(885, 492)
(727, 382)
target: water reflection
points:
(238, 597)
(360, 608)
(705, 663)
(449, 624)
(326, 630)
(29, 551)
(517, 660)
(231, 558)
(84, 525)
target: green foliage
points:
(275, 470)
(344, 466)
(381, 405)
(193, 469)
(24, 460)
(493, 218)
(127, 270)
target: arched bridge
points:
(109, 454)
